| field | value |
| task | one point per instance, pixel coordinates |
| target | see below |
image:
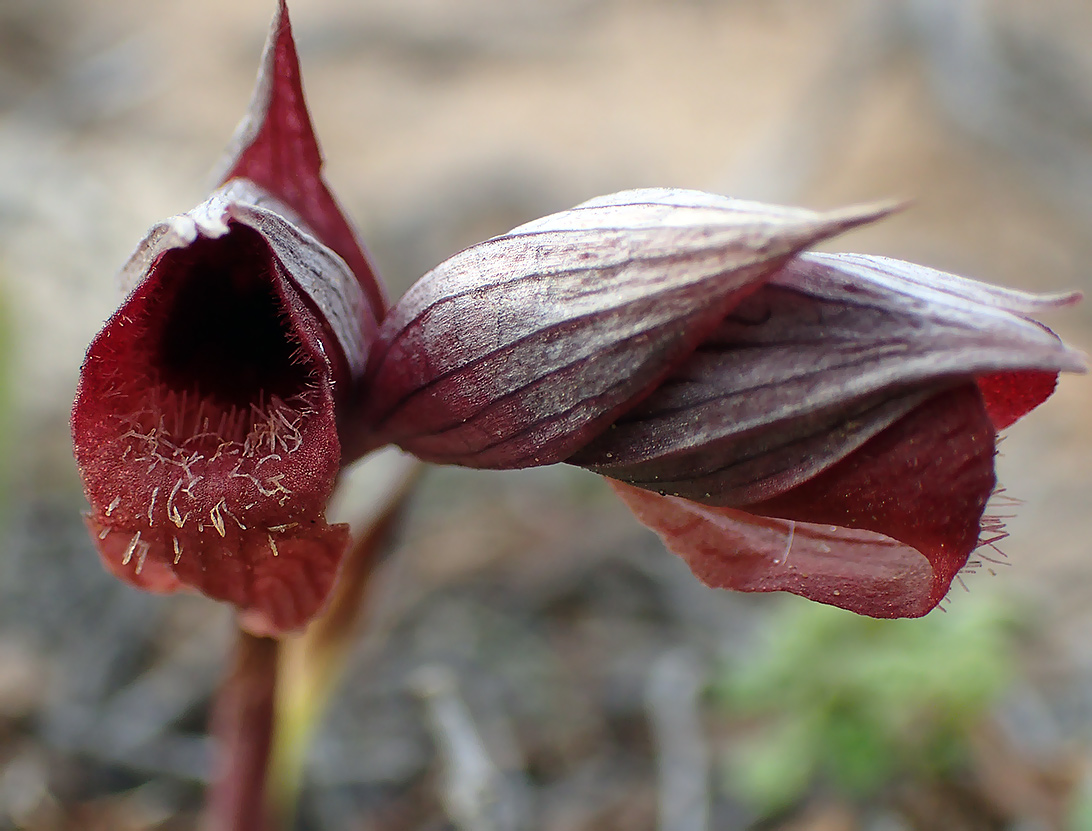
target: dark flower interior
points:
(224, 333)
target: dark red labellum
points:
(207, 420)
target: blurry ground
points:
(445, 123)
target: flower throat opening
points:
(203, 391)
(224, 334)
(225, 376)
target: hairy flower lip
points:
(206, 421)
(208, 417)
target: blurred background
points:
(534, 659)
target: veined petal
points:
(205, 421)
(881, 533)
(959, 305)
(276, 148)
(517, 351)
(827, 353)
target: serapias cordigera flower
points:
(823, 424)
(206, 422)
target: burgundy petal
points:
(204, 424)
(275, 147)
(924, 481)
(728, 548)
(1011, 395)
(519, 350)
(881, 533)
(826, 354)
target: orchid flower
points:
(208, 416)
(824, 424)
